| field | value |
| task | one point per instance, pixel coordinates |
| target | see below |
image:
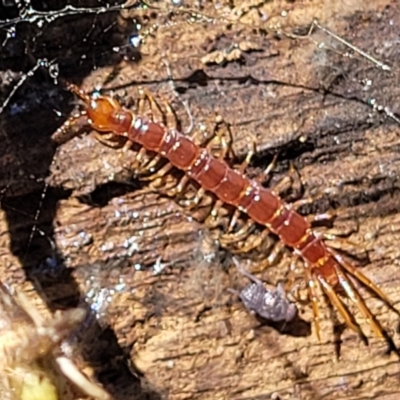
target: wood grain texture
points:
(184, 334)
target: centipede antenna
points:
(378, 63)
(78, 92)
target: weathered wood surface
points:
(184, 334)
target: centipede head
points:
(104, 113)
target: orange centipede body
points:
(323, 266)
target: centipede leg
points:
(146, 96)
(154, 112)
(287, 183)
(249, 244)
(284, 184)
(177, 189)
(149, 164)
(266, 174)
(218, 138)
(193, 202)
(249, 156)
(233, 221)
(158, 180)
(291, 276)
(220, 134)
(311, 285)
(241, 234)
(291, 286)
(214, 211)
(343, 242)
(353, 271)
(328, 216)
(337, 302)
(275, 253)
(169, 119)
(138, 163)
(355, 297)
(110, 140)
(302, 202)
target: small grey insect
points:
(272, 305)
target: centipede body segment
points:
(324, 268)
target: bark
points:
(153, 272)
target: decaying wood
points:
(154, 275)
